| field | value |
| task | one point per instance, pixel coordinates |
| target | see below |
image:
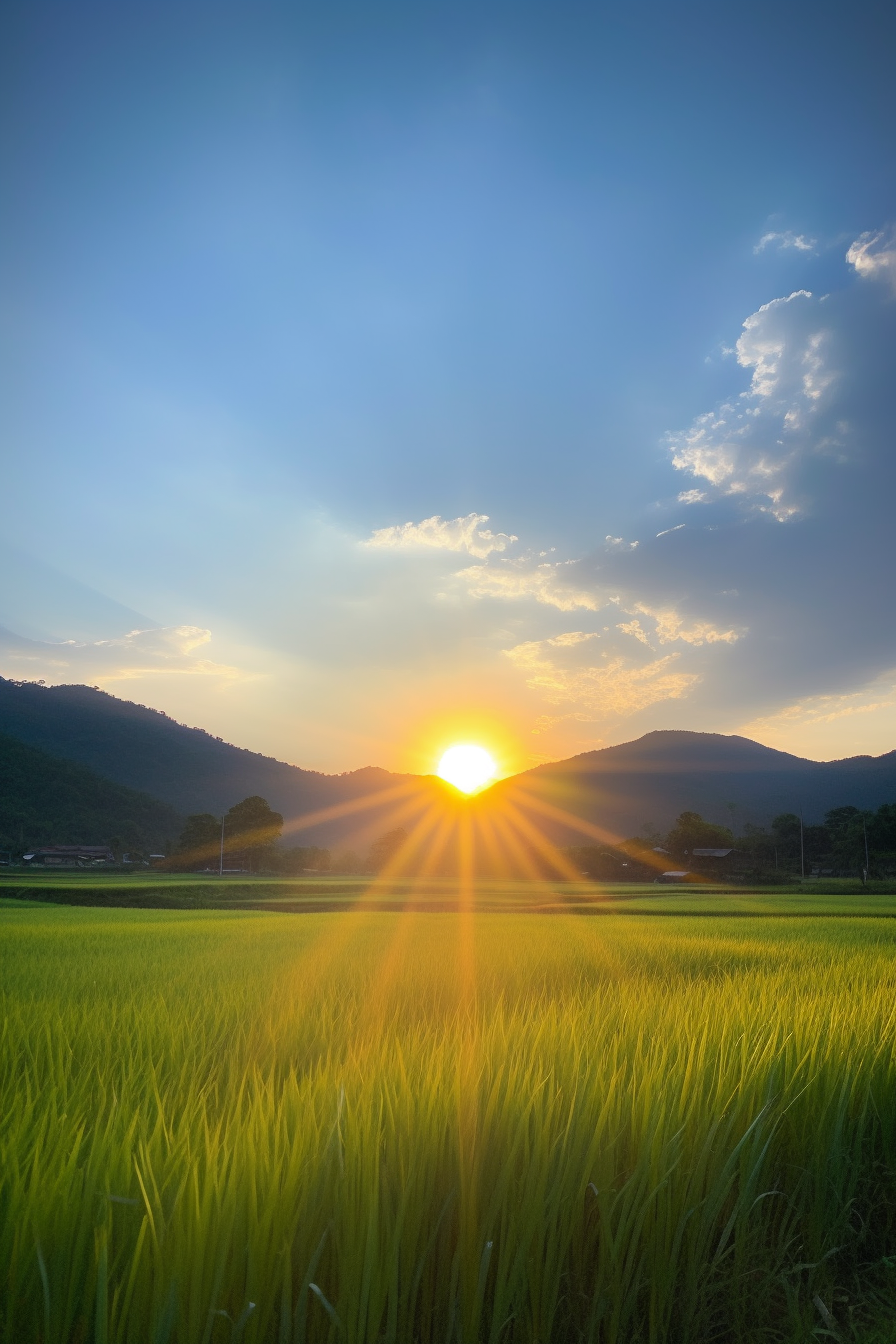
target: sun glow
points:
(467, 767)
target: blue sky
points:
(278, 280)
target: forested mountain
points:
(44, 800)
(626, 789)
(191, 770)
(636, 786)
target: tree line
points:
(848, 843)
(249, 838)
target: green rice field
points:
(322, 892)
(448, 1127)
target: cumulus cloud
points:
(780, 589)
(801, 352)
(436, 533)
(750, 447)
(547, 583)
(874, 256)
(787, 239)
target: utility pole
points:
(867, 860)
(802, 851)
(221, 863)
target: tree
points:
(882, 836)
(251, 829)
(846, 827)
(386, 848)
(302, 858)
(347, 861)
(200, 839)
(691, 832)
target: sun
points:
(467, 767)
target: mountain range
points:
(637, 786)
(48, 801)
(623, 790)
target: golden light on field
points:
(467, 767)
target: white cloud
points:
(748, 447)
(636, 630)
(173, 641)
(195, 667)
(457, 534)
(690, 497)
(787, 239)
(159, 651)
(802, 352)
(545, 583)
(614, 686)
(570, 639)
(874, 256)
(671, 627)
(831, 726)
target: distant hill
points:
(623, 789)
(730, 780)
(195, 772)
(44, 800)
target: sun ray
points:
(544, 846)
(346, 809)
(588, 828)
(519, 850)
(391, 870)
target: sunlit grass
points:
(444, 1127)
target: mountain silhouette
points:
(48, 801)
(624, 789)
(192, 771)
(727, 779)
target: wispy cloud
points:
(436, 533)
(172, 641)
(829, 726)
(543, 583)
(830, 708)
(784, 240)
(670, 628)
(614, 686)
(160, 651)
(636, 630)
